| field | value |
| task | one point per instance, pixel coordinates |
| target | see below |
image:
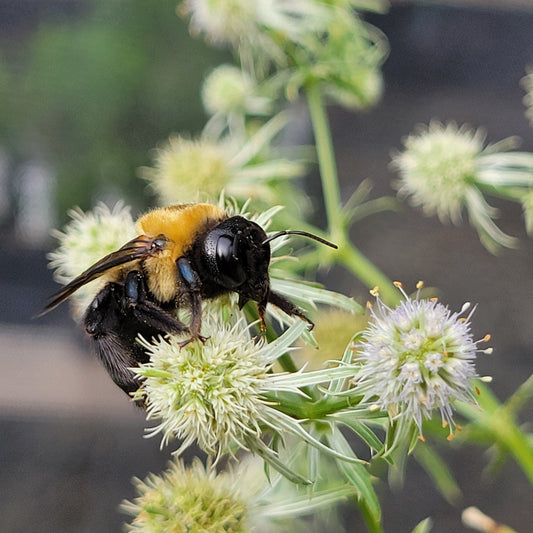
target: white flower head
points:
(437, 168)
(446, 169)
(226, 90)
(254, 24)
(416, 358)
(237, 500)
(212, 393)
(208, 392)
(189, 499)
(222, 21)
(86, 239)
(189, 170)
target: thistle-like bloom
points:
(229, 90)
(87, 238)
(417, 358)
(253, 24)
(209, 393)
(446, 169)
(218, 393)
(189, 170)
(241, 499)
(189, 499)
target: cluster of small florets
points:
(416, 358)
(437, 168)
(188, 499)
(447, 170)
(85, 240)
(206, 392)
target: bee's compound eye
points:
(231, 269)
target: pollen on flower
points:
(374, 291)
(417, 358)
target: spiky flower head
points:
(86, 239)
(209, 393)
(188, 170)
(240, 499)
(189, 499)
(417, 358)
(445, 169)
(185, 168)
(438, 166)
(228, 89)
(253, 25)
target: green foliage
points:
(95, 92)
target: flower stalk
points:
(348, 255)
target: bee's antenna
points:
(303, 234)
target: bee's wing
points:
(137, 248)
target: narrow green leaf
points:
(260, 448)
(439, 472)
(302, 379)
(278, 347)
(356, 474)
(337, 385)
(362, 431)
(302, 505)
(309, 294)
(279, 421)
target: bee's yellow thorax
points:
(180, 224)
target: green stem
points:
(353, 260)
(348, 255)
(310, 409)
(326, 160)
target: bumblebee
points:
(183, 254)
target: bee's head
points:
(236, 255)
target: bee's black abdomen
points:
(119, 313)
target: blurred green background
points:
(88, 88)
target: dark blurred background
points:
(87, 90)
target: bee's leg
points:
(288, 307)
(136, 304)
(191, 280)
